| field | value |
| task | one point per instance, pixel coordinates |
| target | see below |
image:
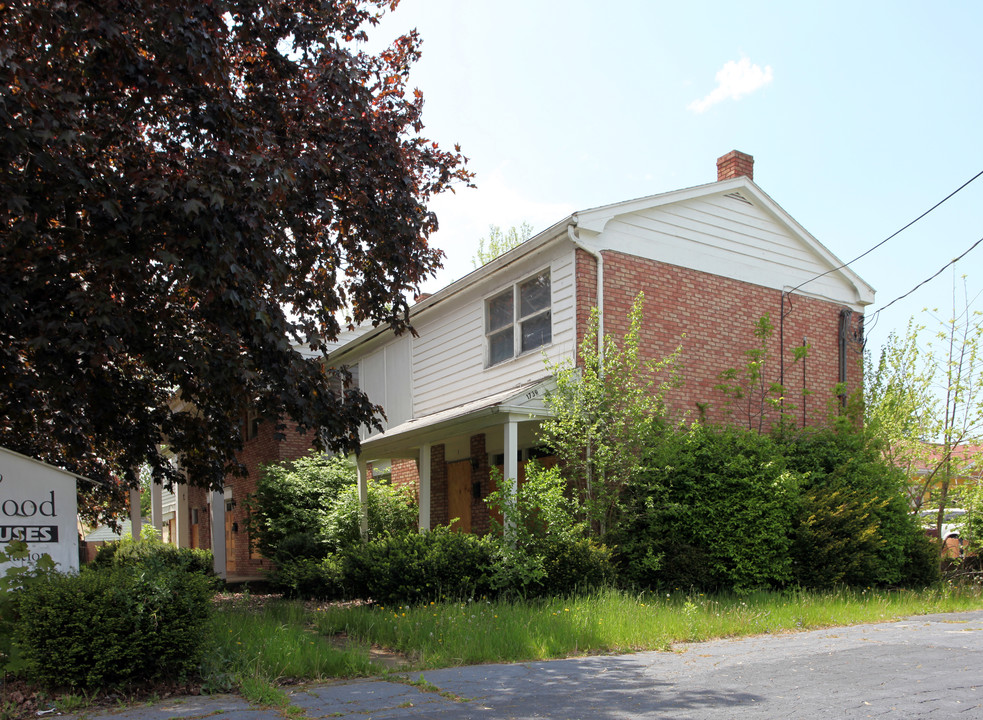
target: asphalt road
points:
(929, 666)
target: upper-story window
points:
(251, 424)
(518, 319)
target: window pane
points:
(536, 332)
(500, 311)
(500, 346)
(534, 295)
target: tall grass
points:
(286, 641)
(273, 645)
(481, 631)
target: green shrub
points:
(317, 497)
(110, 627)
(921, 564)
(17, 576)
(712, 509)
(307, 578)
(419, 567)
(836, 539)
(545, 551)
(853, 524)
(575, 565)
(392, 510)
(293, 499)
(300, 546)
(129, 552)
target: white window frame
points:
(517, 320)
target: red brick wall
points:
(717, 316)
(92, 549)
(261, 450)
(199, 533)
(404, 472)
(482, 474)
(438, 487)
(258, 451)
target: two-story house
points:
(467, 392)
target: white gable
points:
(731, 229)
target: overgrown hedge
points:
(313, 501)
(712, 509)
(127, 552)
(732, 509)
(419, 567)
(114, 626)
(442, 564)
(853, 526)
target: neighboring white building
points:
(38, 504)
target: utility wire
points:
(787, 294)
(889, 237)
(926, 280)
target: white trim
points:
(423, 472)
(363, 496)
(523, 401)
(219, 557)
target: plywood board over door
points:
(459, 495)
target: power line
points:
(891, 236)
(926, 280)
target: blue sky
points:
(859, 116)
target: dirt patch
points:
(257, 602)
(386, 657)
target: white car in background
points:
(953, 531)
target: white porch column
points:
(218, 532)
(157, 508)
(135, 513)
(510, 471)
(423, 470)
(363, 497)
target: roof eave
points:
(551, 234)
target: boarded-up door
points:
(195, 534)
(459, 495)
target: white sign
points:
(38, 505)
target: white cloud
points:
(734, 80)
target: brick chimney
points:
(734, 164)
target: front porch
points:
(454, 451)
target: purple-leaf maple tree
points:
(190, 189)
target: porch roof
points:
(524, 402)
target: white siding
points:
(384, 375)
(728, 237)
(449, 357)
(399, 395)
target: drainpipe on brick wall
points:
(572, 234)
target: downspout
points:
(572, 234)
